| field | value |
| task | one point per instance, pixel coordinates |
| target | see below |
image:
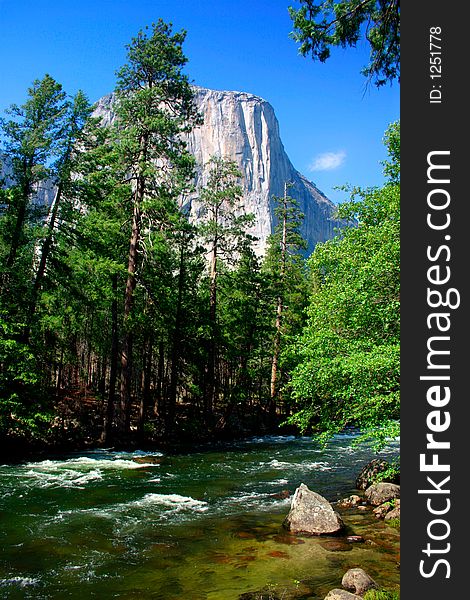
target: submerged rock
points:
(147, 460)
(260, 595)
(278, 554)
(355, 539)
(312, 514)
(378, 493)
(336, 546)
(358, 581)
(282, 495)
(351, 501)
(286, 538)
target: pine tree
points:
(224, 232)
(154, 106)
(32, 139)
(61, 174)
(284, 263)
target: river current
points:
(205, 525)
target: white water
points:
(94, 517)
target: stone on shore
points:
(381, 511)
(312, 514)
(368, 474)
(358, 581)
(378, 493)
(394, 513)
(338, 594)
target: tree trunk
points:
(126, 356)
(176, 343)
(108, 427)
(275, 360)
(210, 395)
(279, 313)
(160, 404)
(46, 247)
(145, 391)
(20, 215)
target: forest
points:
(123, 323)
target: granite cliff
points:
(244, 128)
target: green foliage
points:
(224, 223)
(32, 141)
(390, 473)
(154, 106)
(322, 24)
(22, 413)
(348, 356)
(112, 283)
(38, 140)
(382, 595)
(284, 268)
(394, 523)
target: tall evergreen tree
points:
(61, 176)
(224, 232)
(154, 106)
(32, 139)
(284, 263)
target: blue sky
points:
(331, 126)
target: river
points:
(204, 525)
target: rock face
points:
(44, 192)
(312, 514)
(244, 128)
(381, 511)
(350, 501)
(378, 493)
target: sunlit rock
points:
(312, 514)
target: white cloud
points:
(327, 161)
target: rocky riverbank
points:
(312, 514)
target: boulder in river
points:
(358, 581)
(378, 493)
(338, 594)
(350, 501)
(394, 513)
(312, 514)
(368, 474)
(381, 511)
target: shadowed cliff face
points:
(244, 128)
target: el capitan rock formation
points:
(244, 128)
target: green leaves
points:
(321, 25)
(348, 356)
